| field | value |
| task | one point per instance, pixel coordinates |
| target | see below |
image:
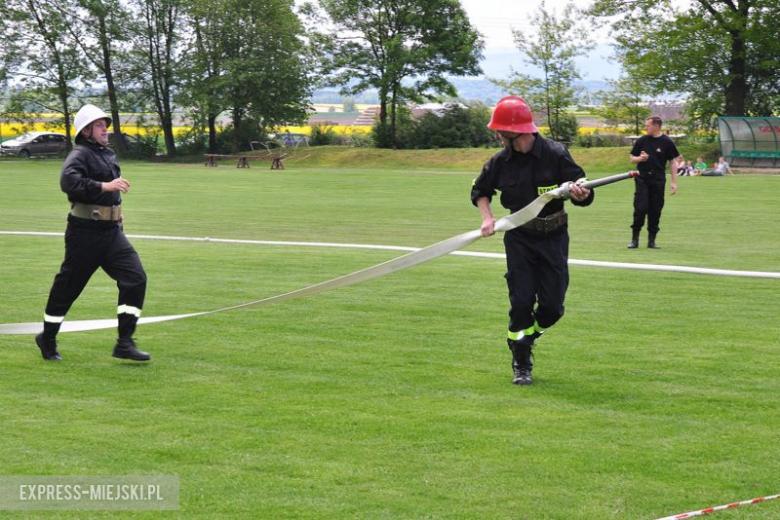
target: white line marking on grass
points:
(410, 259)
(476, 254)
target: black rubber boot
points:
(126, 325)
(126, 349)
(634, 240)
(522, 365)
(48, 347)
(651, 242)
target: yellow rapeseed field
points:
(342, 130)
(10, 130)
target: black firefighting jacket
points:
(521, 178)
(84, 169)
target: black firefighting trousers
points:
(648, 201)
(88, 246)
(537, 277)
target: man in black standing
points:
(94, 238)
(650, 153)
(537, 252)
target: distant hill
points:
(470, 89)
(595, 68)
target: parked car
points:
(137, 147)
(295, 139)
(34, 144)
(131, 140)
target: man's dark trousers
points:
(86, 250)
(648, 200)
(537, 277)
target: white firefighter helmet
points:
(89, 114)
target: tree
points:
(456, 126)
(157, 47)
(624, 103)
(721, 52)
(403, 48)
(100, 25)
(248, 58)
(205, 68)
(36, 47)
(349, 104)
(552, 49)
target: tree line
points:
(721, 56)
(258, 61)
(255, 60)
(206, 56)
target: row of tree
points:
(259, 60)
(252, 59)
(209, 56)
(723, 56)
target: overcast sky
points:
(496, 19)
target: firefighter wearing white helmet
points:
(87, 115)
(536, 253)
(94, 238)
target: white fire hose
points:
(506, 223)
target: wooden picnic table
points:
(243, 160)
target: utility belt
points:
(653, 174)
(548, 224)
(93, 212)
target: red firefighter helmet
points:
(512, 114)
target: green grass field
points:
(656, 394)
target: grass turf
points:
(655, 395)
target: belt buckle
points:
(95, 214)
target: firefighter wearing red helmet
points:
(537, 252)
(94, 238)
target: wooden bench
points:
(243, 160)
(756, 154)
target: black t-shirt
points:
(659, 149)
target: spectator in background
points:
(688, 168)
(680, 163)
(682, 167)
(699, 167)
(721, 169)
